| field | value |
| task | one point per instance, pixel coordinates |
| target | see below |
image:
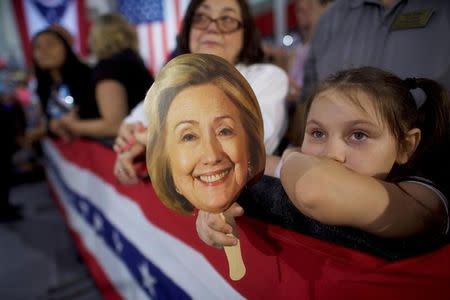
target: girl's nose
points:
(335, 150)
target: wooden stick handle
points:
(236, 265)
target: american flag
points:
(136, 248)
(32, 16)
(157, 24)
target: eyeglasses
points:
(225, 24)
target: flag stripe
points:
(151, 48)
(170, 14)
(120, 271)
(157, 39)
(22, 25)
(116, 272)
(178, 13)
(165, 51)
(158, 45)
(144, 48)
(102, 279)
(83, 27)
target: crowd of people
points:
(367, 145)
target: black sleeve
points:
(83, 90)
(107, 69)
(441, 191)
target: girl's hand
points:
(214, 230)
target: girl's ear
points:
(409, 145)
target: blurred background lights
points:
(68, 99)
(288, 40)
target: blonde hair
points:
(182, 72)
(111, 34)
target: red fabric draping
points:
(281, 264)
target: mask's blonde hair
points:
(182, 72)
(111, 34)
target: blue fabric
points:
(52, 13)
(142, 11)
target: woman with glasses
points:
(224, 28)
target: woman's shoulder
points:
(264, 72)
(119, 66)
(266, 68)
(86, 70)
(124, 57)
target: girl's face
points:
(207, 147)
(341, 130)
(49, 51)
(211, 40)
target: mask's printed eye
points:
(188, 137)
(226, 131)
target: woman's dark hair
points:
(396, 105)
(74, 73)
(251, 50)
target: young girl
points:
(370, 167)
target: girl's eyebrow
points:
(362, 122)
(348, 123)
(313, 121)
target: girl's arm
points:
(327, 191)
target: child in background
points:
(12, 123)
(370, 160)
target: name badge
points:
(415, 19)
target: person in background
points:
(12, 123)
(292, 60)
(401, 36)
(370, 160)
(225, 29)
(120, 77)
(309, 10)
(64, 83)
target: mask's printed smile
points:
(215, 178)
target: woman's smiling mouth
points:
(215, 178)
